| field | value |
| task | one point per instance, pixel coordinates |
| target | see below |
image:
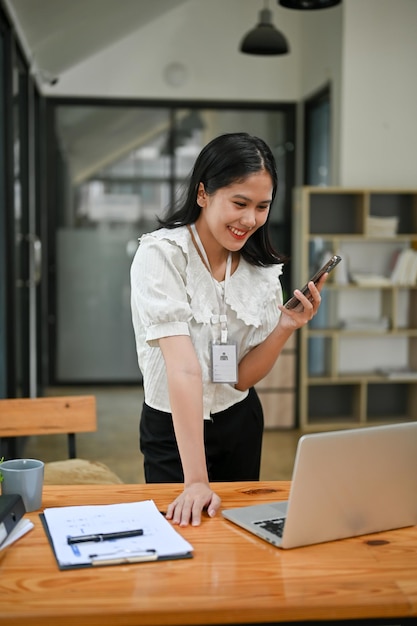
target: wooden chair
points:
(22, 417)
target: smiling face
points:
(232, 214)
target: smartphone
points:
(327, 267)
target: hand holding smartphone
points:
(327, 268)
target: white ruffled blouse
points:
(173, 293)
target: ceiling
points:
(59, 34)
(56, 36)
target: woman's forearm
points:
(185, 389)
(187, 413)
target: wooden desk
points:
(234, 577)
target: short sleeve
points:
(158, 283)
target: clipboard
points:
(170, 545)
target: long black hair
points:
(228, 159)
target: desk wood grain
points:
(234, 577)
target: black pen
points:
(123, 534)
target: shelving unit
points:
(277, 390)
(364, 327)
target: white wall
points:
(215, 69)
(366, 48)
(322, 46)
(378, 127)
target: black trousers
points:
(232, 438)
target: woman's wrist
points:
(195, 478)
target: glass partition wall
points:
(3, 221)
(19, 219)
(116, 168)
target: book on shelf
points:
(404, 270)
(381, 226)
(370, 280)
(368, 324)
(398, 373)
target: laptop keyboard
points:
(274, 526)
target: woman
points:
(209, 324)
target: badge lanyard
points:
(222, 318)
(224, 355)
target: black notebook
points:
(12, 509)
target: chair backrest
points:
(21, 417)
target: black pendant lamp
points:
(308, 5)
(264, 39)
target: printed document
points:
(158, 538)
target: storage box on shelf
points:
(358, 357)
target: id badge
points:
(224, 362)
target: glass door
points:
(3, 220)
(24, 254)
(317, 139)
(18, 244)
(21, 227)
(116, 169)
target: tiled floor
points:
(116, 442)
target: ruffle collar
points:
(250, 288)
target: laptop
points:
(345, 483)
